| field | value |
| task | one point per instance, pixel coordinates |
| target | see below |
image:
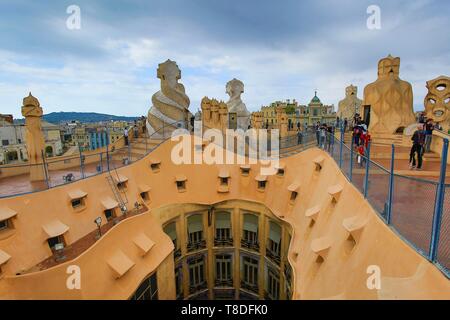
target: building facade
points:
(299, 115)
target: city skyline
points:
(279, 52)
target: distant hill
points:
(86, 117)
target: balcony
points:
(249, 287)
(223, 283)
(251, 245)
(194, 246)
(223, 242)
(273, 256)
(177, 254)
(199, 287)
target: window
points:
(294, 195)
(145, 196)
(171, 230)
(272, 285)
(76, 203)
(5, 142)
(195, 233)
(274, 242)
(52, 242)
(148, 290)
(109, 214)
(249, 280)
(224, 181)
(280, 172)
(4, 224)
(288, 278)
(122, 185)
(181, 185)
(250, 232)
(223, 229)
(224, 270)
(155, 166)
(197, 279)
(179, 281)
(245, 171)
(261, 183)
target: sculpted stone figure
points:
(170, 104)
(214, 114)
(349, 104)
(234, 89)
(34, 137)
(390, 99)
(437, 101)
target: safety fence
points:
(417, 209)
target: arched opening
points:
(12, 156)
(147, 290)
(400, 130)
(49, 151)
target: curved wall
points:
(326, 262)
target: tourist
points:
(136, 131)
(360, 157)
(345, 124)
(322, 134)
(125, 135)
(429, 127)
(299, 136)
(318, 133)
(330, 137)
(418, 139)
(422, 117)
(356, 134)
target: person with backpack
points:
(418, 140)
(356, 135)
(429, 127)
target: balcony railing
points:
(250, 287)
(223, 242)
(199, 287)
(223, 283)
(252, 245)
(274, 256)
(194, 246)
(177, 253)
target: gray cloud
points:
(280, 50)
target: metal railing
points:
(417, 209)
(426, 227)
(15, 178)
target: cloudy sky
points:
(279, 49)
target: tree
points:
(289, 109)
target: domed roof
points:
(315, 99)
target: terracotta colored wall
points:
(342, 274)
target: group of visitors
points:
(324, 135)
(361, 139)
